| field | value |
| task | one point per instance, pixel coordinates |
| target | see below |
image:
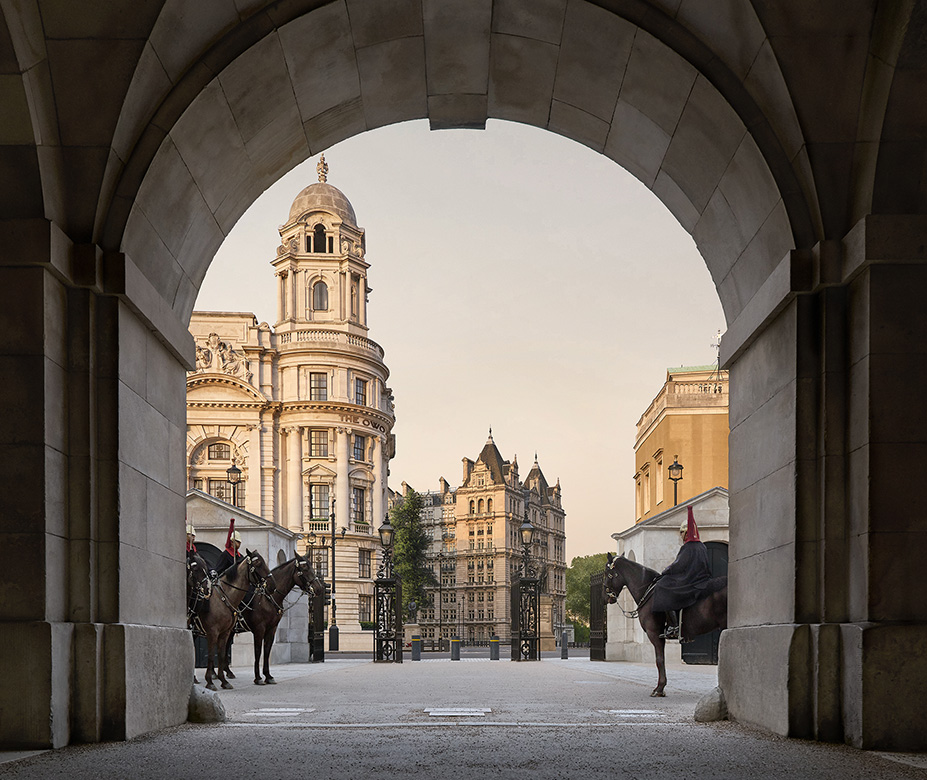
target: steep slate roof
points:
(536, 477)
(493, 460)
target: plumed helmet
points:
(691, 529)
(236, 537)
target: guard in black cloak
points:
(230, 556)
(683, 582)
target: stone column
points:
(379, 481)
(255, 477)
(281, 296)
(362, 300)
(294, 480)
(342, 485)
(826, 629)
(93, 442)
(294, 285)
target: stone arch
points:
(695, 135)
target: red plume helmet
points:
(691, 530)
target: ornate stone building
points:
(302, 408)
(476, 548)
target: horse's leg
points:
(220, 660)
(653, 626)
(268, 646)
(258, 641)
(211, 643)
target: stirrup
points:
(670, 632)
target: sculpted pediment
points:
(320, 471)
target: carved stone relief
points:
(221, 357)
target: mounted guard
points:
(683, 582)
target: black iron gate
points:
(526, 629)
(704, 649)
(597, 629)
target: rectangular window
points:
(358, 496)
(659, 478)
(222, 490)
(197, 484)
(318, 497)
(318, 387)
(360, 392)
(363, 564)
(365, 608)
(320, 560)
(360, 447)
(220, 452)
(318, 444)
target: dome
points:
(323, 197)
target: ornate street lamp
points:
(333, 628)
(387, 590)
(675, 474)
(233, 478)
(526, 531)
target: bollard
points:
(564, 652)
(416, 647)
(455, 648)
(494, 648)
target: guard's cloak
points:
(683, 582)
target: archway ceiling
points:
(154, 130)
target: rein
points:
(648, 592)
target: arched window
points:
(489, 505)
(472, 507)
(318, 239)
(480, 509)
(320, 296)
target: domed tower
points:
(321, 271)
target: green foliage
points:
(580, 632)
(367, 625)
(577, 587)
(409, 551)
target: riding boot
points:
(671, 631)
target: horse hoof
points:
(210, 687)
(258, 682)
(658, 693)
(229, 674)
(271, 681)
(195, 681)
(226, 685)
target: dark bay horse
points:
(219, 616)
(263, 614)
(703, 617)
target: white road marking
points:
(438, 723)
(436, 712)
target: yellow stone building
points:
(688, 420)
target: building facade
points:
(687, 419)
(476, 550)
(303, 407)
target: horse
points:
(703, 617)
(218, 619)
(199, 586)
(265, 609)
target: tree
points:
(577, 585)
(409, 551)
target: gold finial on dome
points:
(322, 168)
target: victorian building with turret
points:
(302, 407)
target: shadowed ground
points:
(350, 718)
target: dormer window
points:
(320, 296)
(319, 243)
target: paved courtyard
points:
(350, 718)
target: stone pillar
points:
(255, 477)
(827, 539)
(379, 482)
(292, 300)
(342, 485)
(93, 442)
(294, 480)
(281, 296)
(362, 300)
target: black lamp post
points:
(675, 474)
(387, 595)
(233, 478)
(525, 624)
(526, 530)
(333, 628)
(386, 539)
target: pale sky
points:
(520, 281)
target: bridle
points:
(613, 594)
